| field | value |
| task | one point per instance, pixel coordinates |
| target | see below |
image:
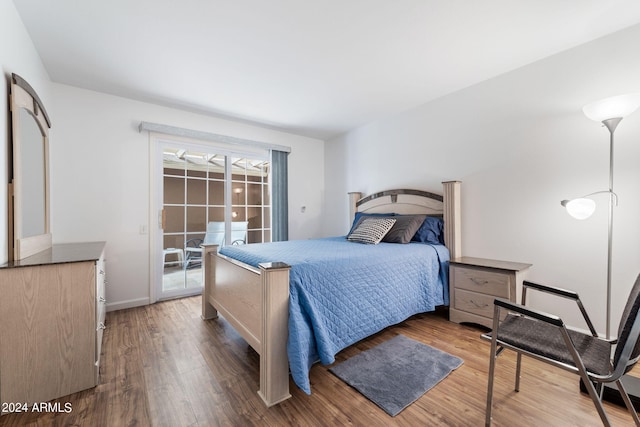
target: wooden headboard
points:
(405, 201)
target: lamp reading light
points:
(583, 207)
(579, 208)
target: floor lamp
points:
(609, 112)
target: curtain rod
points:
(208, 136)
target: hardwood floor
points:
(164, 366)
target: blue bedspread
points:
(342, 292)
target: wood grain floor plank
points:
(164, 366)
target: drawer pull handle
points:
(479, 305)
(101, 326)
(102, 299)
(479, 282)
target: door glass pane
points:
(173, 219)
(216, 193)
(172, 241)
(196, 219)
(173, 190)
(255, 218)
(254, 194)
(194, 200)
(254, 236)
(196, 192)
(216, 214)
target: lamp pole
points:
(611, 124)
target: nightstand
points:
(475, 282)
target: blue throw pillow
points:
(431, 231)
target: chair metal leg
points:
(627, 402)
(595, 398)
(518, 366)
(600, 390)
(493, 355)
(492, 366)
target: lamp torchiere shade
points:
(613, 107)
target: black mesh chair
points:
(545, 337)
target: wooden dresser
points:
(52, 311)
(475, 282)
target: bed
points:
(322, 300)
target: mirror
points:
(29, 183)
(33, 182)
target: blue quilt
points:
(342, 292)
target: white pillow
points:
(371, 230)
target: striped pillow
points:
(371, 230)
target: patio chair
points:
(214, 235)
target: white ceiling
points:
(312, 67)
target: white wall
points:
(17, 55)
(100, 179)
(520, 144)
(100, 165)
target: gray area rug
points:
(397, 372)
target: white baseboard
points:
(121, 305)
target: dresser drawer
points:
(472, 302)
(482, 281)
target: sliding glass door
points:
(209, 195)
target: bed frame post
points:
(208, 275)
(354, 196)
(274, 362)
(452, 218)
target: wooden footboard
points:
(256, 303)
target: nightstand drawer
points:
(472, 302)
(483, 281)
(475, 282)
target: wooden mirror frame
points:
(24, 97)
